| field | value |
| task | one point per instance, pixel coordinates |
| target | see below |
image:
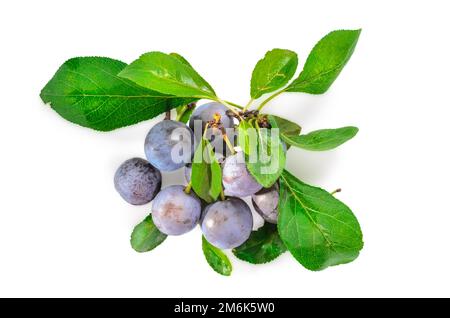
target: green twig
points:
(234, 104)
(229, 144)
(206, 129)
(181, 113)
(188, 188)
(248, 104)
(184, 109)
(229, 106)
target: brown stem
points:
(336, 191)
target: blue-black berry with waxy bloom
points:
(228, 223)
(265, 203)
(174, 211)
(137, 181)
(169, 145)
(237, 180)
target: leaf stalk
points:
(188, 188)
(229, 145)
(248, 104)
(269, 99)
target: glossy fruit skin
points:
(205, 113)
(227, 224)
(175, 212)
(162, 139)
(237, 181)
(265, 203)
(137, 181)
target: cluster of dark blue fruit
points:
(176, 209)
(229, 151)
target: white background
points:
(64, 231)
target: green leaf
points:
(88, 92)
(216, 175)
(246, 135)
(267, 163)
(183, 112)
(324, 139)
(286, 127)
(325, 62)
(169, 75)
(181, 58)
(318, 229)
(146, 236)
(206, 176)
(263, 246)
(216, 258)
(273, 72)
